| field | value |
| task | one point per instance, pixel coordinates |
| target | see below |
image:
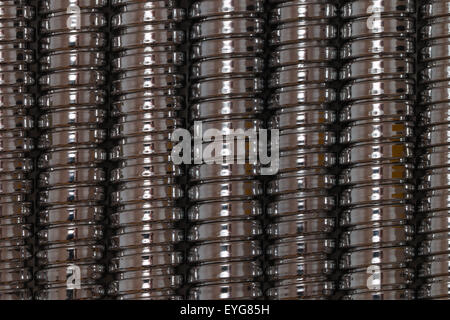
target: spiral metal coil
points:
(15, 165)
(435, 185)
(300, 209)
(71, 179)
(378, 96)
(226, 93)
(147, 102)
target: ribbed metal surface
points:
(378, 95)
(92, 205)
(147, 103)
(227, 43)
(435, 76)
(15, 164)
(71, 180)
(301, 57)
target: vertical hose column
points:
(147, 102)
(71, 175)
(226, 94)
(301, 205)
(435, 187)
(378, 98)
(16, 99)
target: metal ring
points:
(300, 10)
(226, 108)
(225, 251)
(395, 88)
(239, 66)
(70, 176)
(301, 290)
(70, 214)
(305, 247)
(293, 268)
(245, 46)
(225, 231)
(434, 28)
(383, 110)
(368, 47)
(126, 218)
(230, 210)
(87, 292)
(300, 181)
(384, 25)
(150, 193)
(354, 9)
(227, 87)
(309, 52)
(69, 137)
(235, 26)
(73, 40)
(404, 294)
(72, 79)
(386, 214)
(71, 59)
(144, 238)
(382, 66)
(376, 172)
(291, 204)
(296, 32)
(226, 189)
(71, 195)
(377, 236)
(244, 291)
(128, 18)
(140, 58)
(295, 228)
(224, 272)
(137, 4)
(57, 276)
(51, 6)
(155, 261)
(434, 288)
(375, 193)
(387, 257)
(209, 8)
(147, 38)
(69, 253)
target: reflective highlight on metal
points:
(300, 207)
(434, 229)
(71, 180)
(378, 94)
(226, 93)
(146, 106)
(16, 80)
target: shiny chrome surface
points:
(377, 167)
(146, 104)
(434, 184)
(226, 93)
(300, 207)
(16, 122)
